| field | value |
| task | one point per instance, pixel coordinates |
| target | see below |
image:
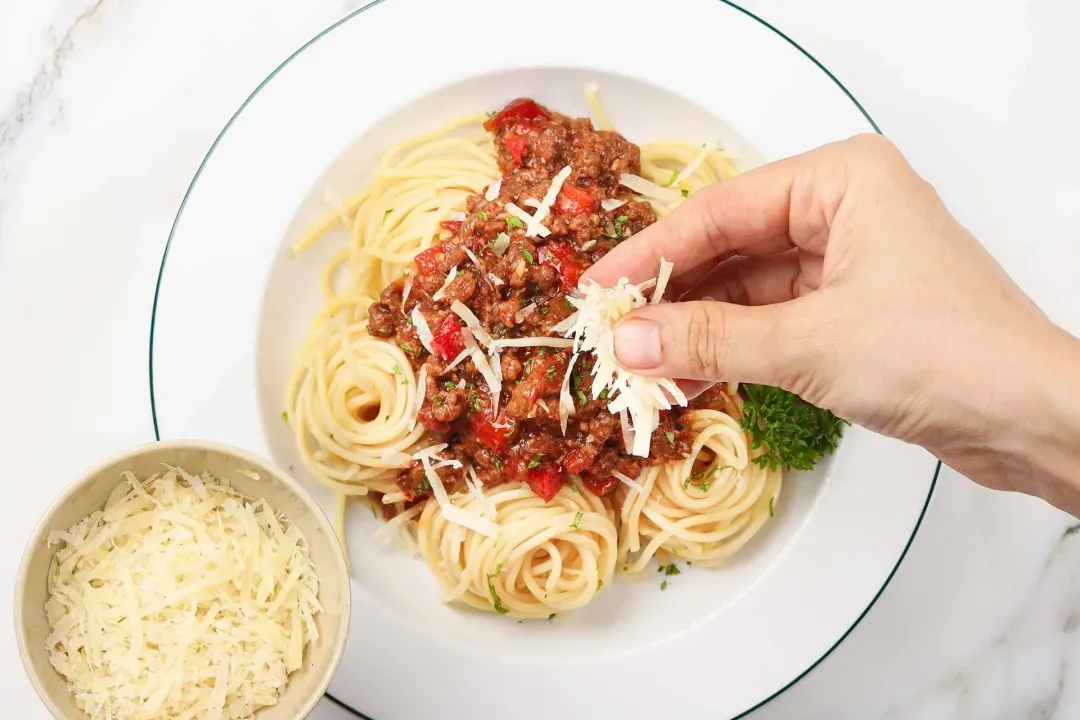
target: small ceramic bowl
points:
(90, 492)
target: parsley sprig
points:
(793, 432)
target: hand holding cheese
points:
(840, 275)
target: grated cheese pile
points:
(181, 599)
(592, 327)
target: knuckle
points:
(704, 340)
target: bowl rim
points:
(317, 690)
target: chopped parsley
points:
(575, 381)
(497, 461)
(772, 506)
(794, 433)
(671, 180)
(535, 462)
(599, 585)
(705, 485)
(513, 222)
(544, 310)
(438, 400)
(386, 213)
(577, 520)
(474, 402)
(670, 437)
(397, 371)
(573, 487)
(569, 305)
(663, 585)
(669, 569)
(449, 385)
(422, 488)
(526, 254)
(552, 616)
(285, 417)
(496, 601)
(491, 113)
(685, 192)
(482, 215)
(581, 398)
(603, 394)
(552, 371)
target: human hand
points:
(841, 276)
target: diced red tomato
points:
(428, 420)
(448, 342)
(559, 255)
(599, 486)
(451, 225)
(545, 480)
(515, 111)
(428, 260)
(517, 142)
(495, 434)
(578, 459)
(573, 200)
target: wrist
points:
(1044, 451)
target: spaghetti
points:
(436, 383)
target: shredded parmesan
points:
(610, 204)
(695, 163)
(566, 401)
(476, 491)
(492, 193)
(182, 598)
(493, 379)
(495, 280)
(423, 330)
(649, 189)
(461, 357)
(532, 342)
(456, 216)
(589, 245)
(534, 223)
(500, 244)
(524, 312)
(626, 480)
(395, 531)
(441, 292)
(406, 289)
(472, 322)
(533, 227)
(473, 257)
(453, 513)
(637, 399)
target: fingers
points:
(771, 209)
(759, 280)
(713, 341)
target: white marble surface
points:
(107, 107)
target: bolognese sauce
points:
(516, 290)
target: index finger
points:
(752, 210)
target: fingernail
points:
(637, 344)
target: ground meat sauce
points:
(525, 441)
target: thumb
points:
(714, 341)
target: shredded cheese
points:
(500, 244)
(635, 398)
(524, 312)
(406, 289)
(472, 322)
(533, 228)
(610, 204)
(453, 513)
(695, 163)
(532, 342)
(493, 379)
(461, 357)
(456, 216)
(182, 598)
(441, 292)
(566, 401)
(472, 256)
(534, 223)
(649, 189)
(629, 482)
(492, 193)
(423, 330)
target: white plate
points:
(232, 307)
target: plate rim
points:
(358, 11)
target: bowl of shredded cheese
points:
(182, 580)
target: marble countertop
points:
(107, 107)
